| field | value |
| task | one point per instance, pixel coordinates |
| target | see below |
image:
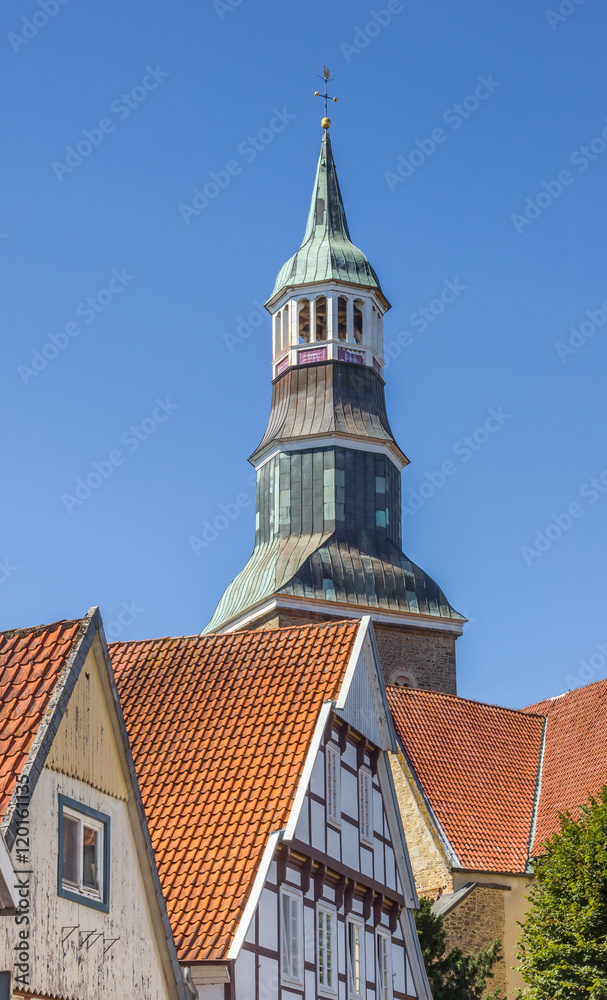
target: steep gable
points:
(85, 744)
(62, 738)
(221, 728)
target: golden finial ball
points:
(316, 94)
(326, 123)
(335, 99)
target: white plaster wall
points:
(132, 966)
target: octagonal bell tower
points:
(328, 539)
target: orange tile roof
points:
(220, 727)
(31, 661)
(477, 765)
(575, 754)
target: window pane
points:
(287, 967)
(383, 968)
(295, 939)
(90, 858)
(364, 786)
(329, 938)
(291, 936)
(69, 851)
(321, 949)
(333, 784)
(354, 960)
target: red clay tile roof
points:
(575, 754)
(31, 661)
(477, 765)
(220, 727)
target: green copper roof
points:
(326, 252)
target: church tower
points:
(328, 517)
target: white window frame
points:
(383, 964)
(288, 898)
(326, 912)
(359, 925)
(365, 778)
(333, 784)
(99, 827)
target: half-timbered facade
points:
(332, 917)
(82, 911)
(273, 813)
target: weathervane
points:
(326, 122)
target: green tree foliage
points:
(453, 975)
(563, 945)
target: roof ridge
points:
(32, 629)
(469, 701)
(564, 694)
(251, 631)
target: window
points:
(326, 947)
(356, 958)
(84, 854)
(285, 328)
(291, 936)
(342, 318)
(277, 334)
(358, 321)
(403, 681)
(384, 965)
(365, 804)
(321, 318)
(333, 800)
(304, 321)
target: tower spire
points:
(327, 252)
(328, 535)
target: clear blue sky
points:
(217, 74)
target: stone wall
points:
(477, 922)
(424, 658)
(429, 865)
(414, 656)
